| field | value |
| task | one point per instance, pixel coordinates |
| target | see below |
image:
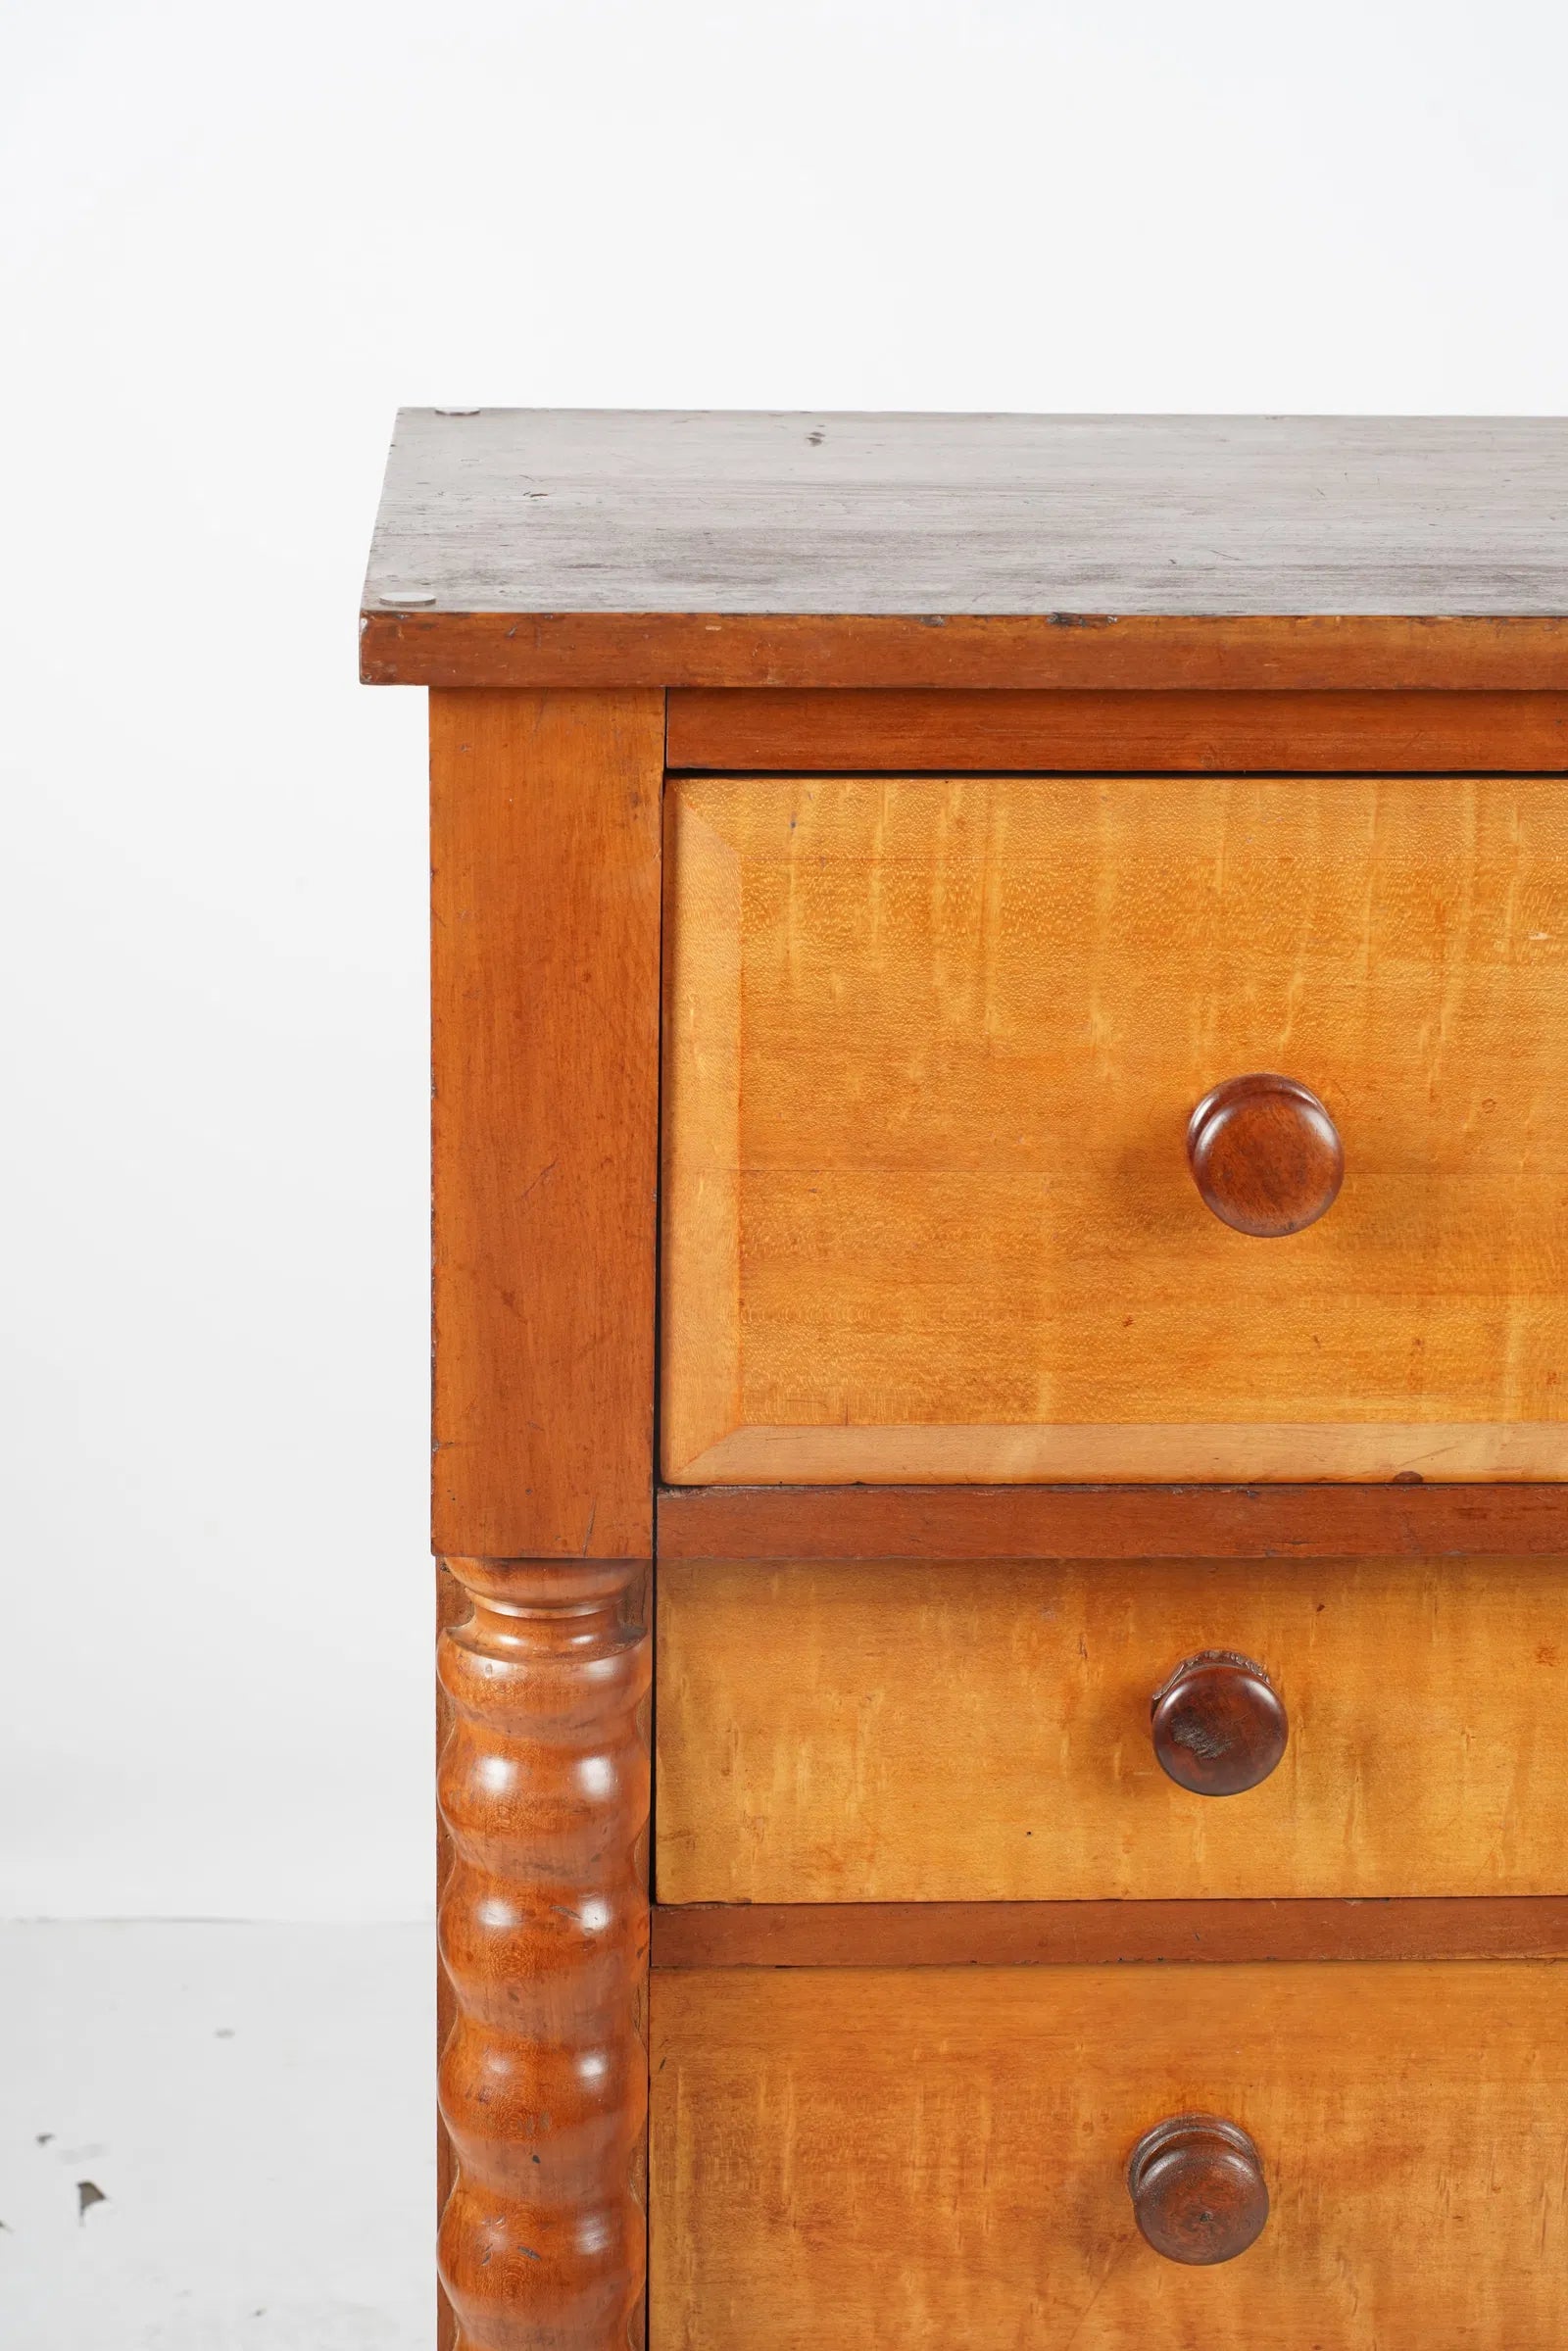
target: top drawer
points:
(932, 1049)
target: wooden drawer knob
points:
(1198, 2189)
(1220, 1725)
(1265, 1154)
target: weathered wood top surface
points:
(606, 531)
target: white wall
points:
(231, 240)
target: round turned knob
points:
(1198, 2189)
(1220, 1725)
(1265, 1154)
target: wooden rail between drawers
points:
(1203, 733)
(1111, 1522)
(797, 1934)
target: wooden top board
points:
(602, 547)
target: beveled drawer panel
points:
(938, 2157)
(932, 1047)
(896, 1732)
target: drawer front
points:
(932, 1049)
(896, 1732)
(938, 2156)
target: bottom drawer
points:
(930, 2157)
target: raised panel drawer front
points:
(933, 1048)
(940, 2157)
(986, 1732)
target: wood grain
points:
(1198, 2189)
(532, 549)
(781, 731)
(1265, 1154)
(1217, 1725)
(679, 512)
(1410, 1521)
(906, 1935)
(928, 1214)
(453, 1607)
(544, 1791)
(1284, 1449)
(982, 1732)
(937, 2157)
(511, 651)
(545, 833)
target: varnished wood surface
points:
(544, 1791)
(782, 731)
(453, 1607)
(1265, 1154)
(904, 1934)
(938, 2157)
(904, 1733)
(928, 1214)
(545, 854)
(1217, 1725)
(676, 511)
(1157, 1450)
(1198, 2189)
(1111, 1522)
(567, 649)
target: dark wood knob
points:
(1198, 2189)
(1219, 1724)
(1265, 1154)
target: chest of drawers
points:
(1001, 1146)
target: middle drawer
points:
(889, 1731)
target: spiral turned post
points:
(544, 1788)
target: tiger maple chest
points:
(1000, 1253)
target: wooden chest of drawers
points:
(1001, 1001)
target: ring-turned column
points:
(544, 1791)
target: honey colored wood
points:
(1265, 1154)
(839, 2157)
(928, 1214)
(1198, 2189)
(1285, 1450)
(904, 1934)
(1342, 597)
(544, 1791)
(1111, 1522)
(905, 1733)
(1217, 1725)
(545, 894)
(782, 730)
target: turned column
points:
(544, 1791)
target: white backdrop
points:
(233, 241)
